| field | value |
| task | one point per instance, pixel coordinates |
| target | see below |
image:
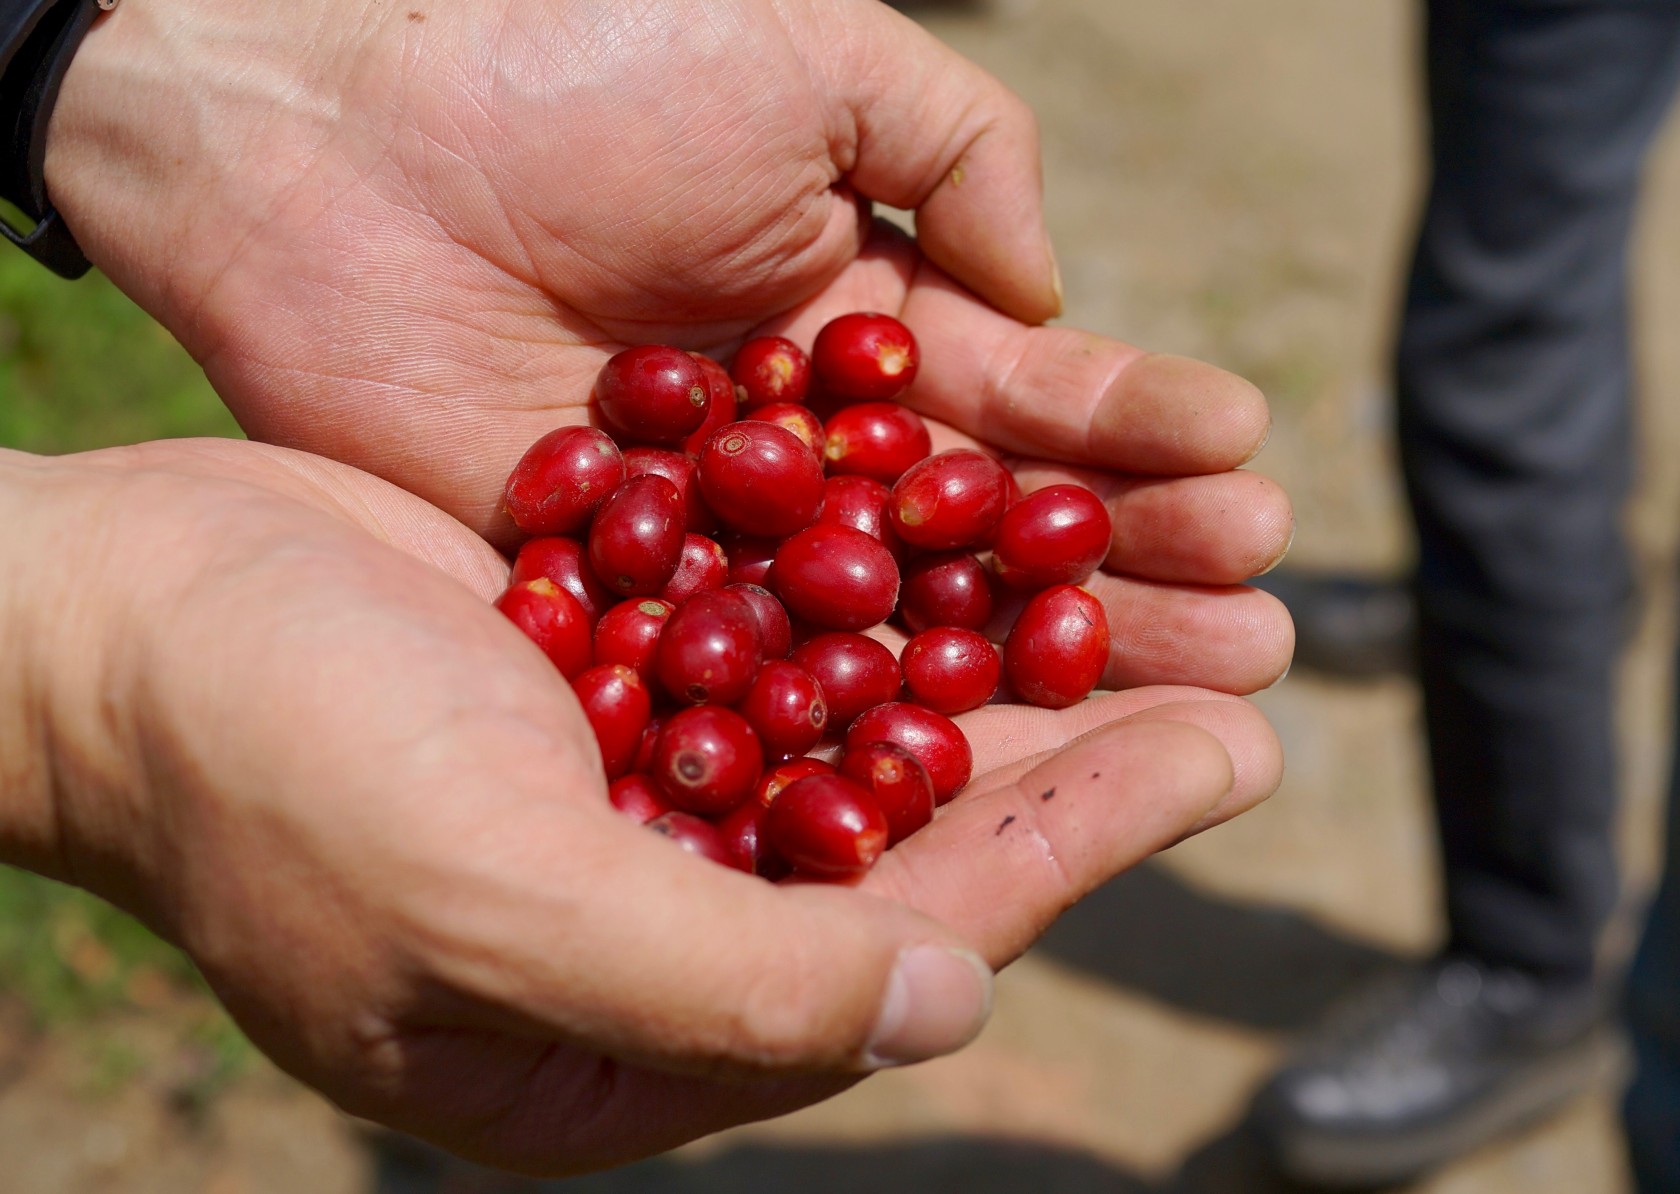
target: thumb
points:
(684, 965)
(936, 134)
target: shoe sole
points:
(1363, 1162)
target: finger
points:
(931, 131)
(1009, 739)
(1075, 396)
(1075, 819)
(1229, 638)
(1214, 530)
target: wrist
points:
(70, 808)
(28, 825)
(180, 127)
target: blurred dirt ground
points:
(1229, 180)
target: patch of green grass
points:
(83, 367)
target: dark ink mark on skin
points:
(1047, 794)
(1005, 823)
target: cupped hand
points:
(406, 236)
(267, 706)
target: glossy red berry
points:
(636, 797)
(795, 418)
(836, 577)
(773, 780)
(696, 836)
(898, 782)
(875, 439)
(650, 737)
(1056, 652)
(950, 670)
(749, 558)
(949, 589)
(681, 470)
(785, 705)
(552, 619)
(1055, 536)
(932, 737)
(562, 480)
(724, 407)
(706, 760)
(865, 357)
(710, 650)
(760, 479)
(775, 632)
(743, 833)
(628, 633)
(827, 826)
(855, 671)
(565, 562)
(954, 499)
(652, 394)
(616, 702)
(702, 568)
(636, 539)
(771, 369)
(860, 503)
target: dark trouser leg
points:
(1513, 386)
(1651, 1113)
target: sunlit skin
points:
(264, 701)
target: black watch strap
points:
(37, 40)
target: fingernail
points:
(1282, 555)
(937, 1001)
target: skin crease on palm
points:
(261, 699)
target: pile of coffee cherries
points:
(703, 568)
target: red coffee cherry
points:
(865, 357)
(792, 417)
(562, 480)
(836, 577)
(552, 619)
(743, 833)
(696, 836)
(650, 737)
(564, 562)
(898, 782)
(954, 499)
(771, 783)
(749, 558)
(702, 568)
(617, 704)
(774, 630)
(771, 369)
(759, 479)
(723, 409)
(681, 470)
(932, 737)
(706, 760)
(636, 539)
(860, 503)
(1056, 652)
(636, 797)
(628, 633)
(950, 670)
(651, 394)
(855, 671)
(1056, 536)
(950, 589)
(785, 705)
(875, 439)
(710, 650)
(826, 825)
